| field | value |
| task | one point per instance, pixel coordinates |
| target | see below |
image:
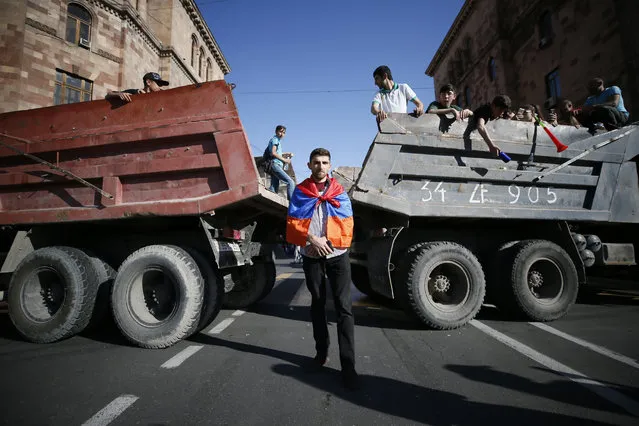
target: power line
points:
(307, 92)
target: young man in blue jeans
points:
(277, 171)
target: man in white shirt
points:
(392, 97)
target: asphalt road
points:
(246, 369)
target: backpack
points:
(267, 160)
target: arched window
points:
(209, 70)
(200, 65)
(467, 97)
(545, 29)
(193, 49)
(492, 69)
(78, 25)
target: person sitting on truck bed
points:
(445, 104)
(279, 159)
(527, 113)
(392, 97)
(605, 105)
(568, 115)
(492, 111)
(152, 83)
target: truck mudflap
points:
(230, 253)
(377, 252)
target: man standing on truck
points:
(278, 159)
(320, 220)
(392, 97)
(152, 83)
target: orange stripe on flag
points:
(297, 230)
(340, 231)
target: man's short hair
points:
(381, 70)
(319, 152)
(447, 88)
(279, 127)
(502, 101)
(596, 82)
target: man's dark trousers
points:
(338, 272)
(610, 116)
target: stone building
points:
(60, 51)
(539, 51)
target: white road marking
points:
(111, 411)
(221, 326)
(595, 348)
(238, 313)
(180, 357)
(599, 388)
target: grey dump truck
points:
(443, 226)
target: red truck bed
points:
(177, 152)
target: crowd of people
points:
(603, 109)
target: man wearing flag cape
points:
(320, 220)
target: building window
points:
(70, 89)
(468, 51)
(492, 69)
(200, 65)
(78, 24)
(553, 86)
(545, 29)
(467, 97)
(209, 70)
(451, 73)
(193, 50)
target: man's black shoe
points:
(351, 379)
(317, 363)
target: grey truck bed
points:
(427, 167)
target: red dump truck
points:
(152, 209)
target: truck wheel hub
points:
(535, 279)
(441, 283)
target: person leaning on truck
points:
(487, 112)
(152, 83)
(392, 97)
(320, 220)
(280, 158)
(445, 104)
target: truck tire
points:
(157, 296)
(52, 294)
(542, 283)
(270, 273)
(213, 288)
(361, 280)
(445, 285)
(105, 276)
(244, 285)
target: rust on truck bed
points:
(181, 151)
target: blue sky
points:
(279, 48)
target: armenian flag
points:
(339, 223)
